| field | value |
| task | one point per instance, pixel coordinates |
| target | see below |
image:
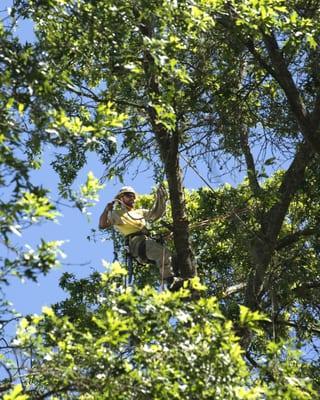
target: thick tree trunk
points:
(261, 255)
(168, 141)
(309, 123)
(184, 262)
(263, 245)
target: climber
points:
(130, 222)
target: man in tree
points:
(131, 223)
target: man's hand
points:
(104, 223)
(109, 206)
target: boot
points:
(174, 283)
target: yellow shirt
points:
(131, 221)
(128, 222)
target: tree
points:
(155, 69)
(209, 80)
(140, 68)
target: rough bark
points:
(251, 169)
(170, 157)
(263, 246)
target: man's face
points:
(128, 199)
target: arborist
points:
(130, 222)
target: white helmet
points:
(125, 189)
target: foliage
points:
(126, 343)
(28, 90)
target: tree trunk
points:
(184, 258)
(263, 244)
(168, 141)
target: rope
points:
(206, 222)
(129, 262)
(162, 266)
(196, 172)
(115, 248)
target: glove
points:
(109, 206)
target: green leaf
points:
(16, 394)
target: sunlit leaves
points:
(41, 259)
(84, 126)
(165, 116)
(279, 16)
(250, 318)
(113, 270)
(89, 192)
(145, 344)
(161, 338)
(99, 70)
(16, 394)
(261, 11)
(36, 206)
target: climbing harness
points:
(129, 259)
(141, 256)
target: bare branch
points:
(252, 174)
(234, 289)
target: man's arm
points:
(104, 221)
(159, 206)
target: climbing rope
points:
(115, 247)
(162, 265)
(129, 264)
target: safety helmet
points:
(125, 189)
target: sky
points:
(82, 256)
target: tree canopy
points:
(233, 86)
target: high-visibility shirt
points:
(127, 222)
(131, 221)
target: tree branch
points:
(294, 237)
(309, 126)
(291, 182)
(263, 244)
(251, 169)
(234, 289)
